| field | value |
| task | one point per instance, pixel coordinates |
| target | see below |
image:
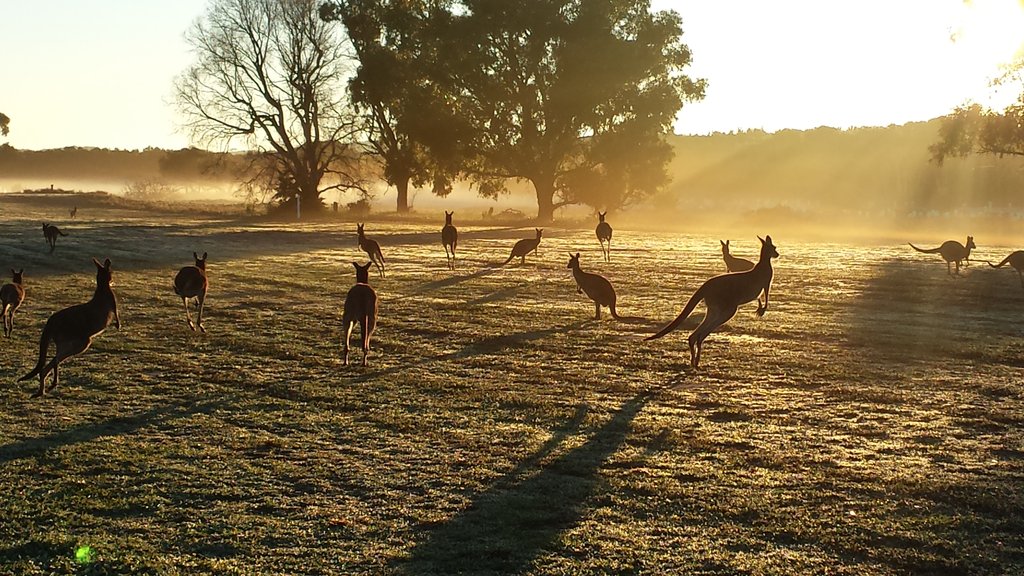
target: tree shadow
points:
(34, 447)
(521, 515)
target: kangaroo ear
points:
(13, 272)
(356, 265)
(97, 263)
(195, 256)
(106, 263)
(762, 239)
(768, 239)
(22, 271)
(204, 256)
(577, 255)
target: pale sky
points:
(100, 73)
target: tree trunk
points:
(402, 185)
(545, 200)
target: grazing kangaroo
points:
(361, 307)
(732, 263)
(72, 329)
(524, 247)
(449, 238)
(11, 297)
(722, 295)
(191, 282)
(1015, 259)
(51, 233)
(604, 234)
(372, 249)
(73, 212)
(597, 287)
(952, 251)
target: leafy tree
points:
(561, 93)
(267, 77)
(387, 89)
(973, 128)
(4, 124)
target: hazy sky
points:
(100, 73)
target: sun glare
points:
(990, 35)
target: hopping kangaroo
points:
(952, 251)
(51, 233)
(597, 287)
(11, 297)
(72, 329)
(732, 263)
(449, 238)
(524, 247)
(191, 282)
(722, 295)
(1015, 259)
(604, 234)
(372, 249)
(361, 307)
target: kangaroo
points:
(597, 287)
(73, 212)
(1015, 259)
(722, 295)
(524, 247)
(191, 282)
(361, 307)
(449, 238)
(952, 251)
(51, 233)
(72, 329)
(604, 234)
(11, 297)
(372, 249)
(732, 263)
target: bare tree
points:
(270, 76)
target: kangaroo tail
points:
(61, 232)
(176, 291)
(614, 313)
(694, 300)
(44, 345)
(510, 257)
(932, 251)
(1001, 264)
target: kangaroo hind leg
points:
(715, 317)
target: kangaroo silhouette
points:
(360, 307)
(372, 249)
(73, 212)
(524, 247)
(722, 295)
(51, 233)
(604, 234)
(732, 263)
(449, 238)
(72, 329)
(1015, 260)
(596, 287)
(191, 282)
(11, 297)
(952, 252)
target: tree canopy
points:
(390, 45)
(973, 128)
(269, 76)
(573, 96)
(4, 124)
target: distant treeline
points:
(879, 169)
(864, 169)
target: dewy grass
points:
(870, 423)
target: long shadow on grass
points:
(33, 447)
(522, 514)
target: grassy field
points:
(871, 423)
